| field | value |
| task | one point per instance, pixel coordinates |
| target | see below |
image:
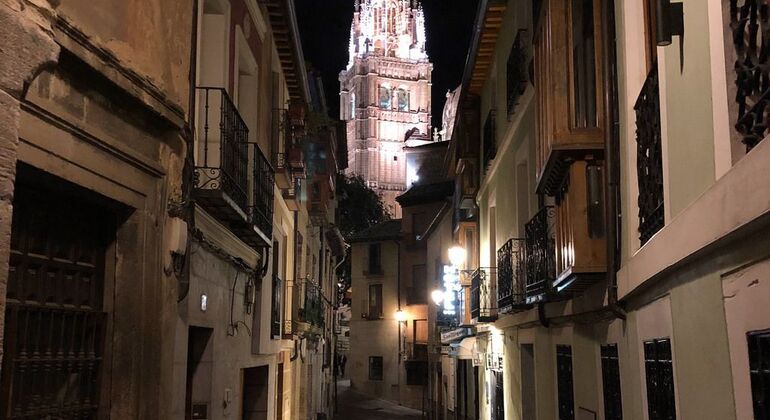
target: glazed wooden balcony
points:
(569, 90)
(580, 243)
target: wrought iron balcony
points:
(239, 198)
(281, 138)
(649, 159)
(221, 159)
(540, 252)
(511, 276)
(482, 301)
(291, 309)
(263, 195)
(312, 312)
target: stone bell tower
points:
(385, 93)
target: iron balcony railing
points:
(264, 183)
(482, 302)
(281, 132)
(291, 309)
(649, 158)
(540, 254)
(511, 276)
(312, 311)
(222, 159)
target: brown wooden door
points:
(54, 319)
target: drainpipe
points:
(612, 153)
(188, 207)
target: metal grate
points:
(649, 159)
(759, 371)
(613, 406)
(659, 370)
(565, 382)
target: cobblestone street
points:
(355, 406)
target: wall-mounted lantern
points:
(670, 21)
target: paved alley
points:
(356, 406)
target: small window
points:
(375, 301)
(375, 368)
(395, 158)
(385, 96)
(659, 370)
(759, 371)
(564, 382)
(584, 64)
(402, 96)
(375, 259)
(613, 408)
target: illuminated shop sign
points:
(452, 287)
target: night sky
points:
(325, 28)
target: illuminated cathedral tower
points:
(385, 93)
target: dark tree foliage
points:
(359, 206)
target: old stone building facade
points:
(385, 93)
(167, 239)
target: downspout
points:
(612, 153)
(187, 210)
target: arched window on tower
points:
(385, 96)
(402, 96)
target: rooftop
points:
(389, 229)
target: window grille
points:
(613, 408)
(565, 382)
(759, 370)
(659, 370)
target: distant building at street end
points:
(385, 93)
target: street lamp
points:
(400, 316)
(457, 256)
(437, 296)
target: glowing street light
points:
(457, 255)
(400, 316)
(437, 296)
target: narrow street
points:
(356, 406)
